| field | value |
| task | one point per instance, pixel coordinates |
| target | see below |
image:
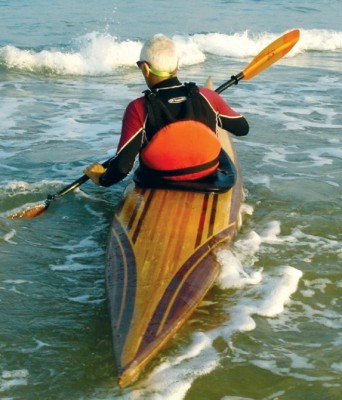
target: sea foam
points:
(99, 53)
(9, 379)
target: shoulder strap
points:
(157, 111)
(159, 115)
(193, 101)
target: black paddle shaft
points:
(74, 184)
(234, 80)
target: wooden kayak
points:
(161, 263)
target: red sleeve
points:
(133, 122)
(218, 104)
(129, 144)
(228, 119)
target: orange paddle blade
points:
(28, 211)
(271, 54)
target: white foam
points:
(15, 187)
(261, 180)
(297, 362)
(317, 243)
(172, 379)
(72, 266)
(16, 281)
(39, 345)
(319, 40)
(268, 299)
(324, 317)
(238, 45)
(324, 155)
(278, 291)
(246, 209)
(9, 236)
(300, 362)
(337, 366)
(13, 378)
(86, 299)
(233, 275)
(318, 284)
(236, 262)
(271, 234)
(100, 53)
(308, 293)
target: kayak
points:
(161, 247)
(161, 259)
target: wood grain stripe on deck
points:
(135, 211)
(202, 220)
(142, 216)
(212, 215)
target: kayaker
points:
(172, 127)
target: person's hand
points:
(94, 171)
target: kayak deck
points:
(160, 264)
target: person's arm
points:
(128, 148)
(228, 119)
(236, 125)
(122, 163)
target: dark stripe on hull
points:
(135, 211)
(183, 294)
(202, 220)
(141, 219)
(213, 215)
(121, 285)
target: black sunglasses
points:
(140, 63)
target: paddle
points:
(271, 54)
(33, 210)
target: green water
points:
(276, 334)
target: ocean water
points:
(271, 326)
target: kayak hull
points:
(161, 263)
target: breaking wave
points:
(103, 54)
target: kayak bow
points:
(160, 263)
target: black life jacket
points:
(181, 149)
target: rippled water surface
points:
(271, 326)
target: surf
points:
(102, 54)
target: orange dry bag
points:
(183, 150)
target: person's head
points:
(158, 59)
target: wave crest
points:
(103, 54)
